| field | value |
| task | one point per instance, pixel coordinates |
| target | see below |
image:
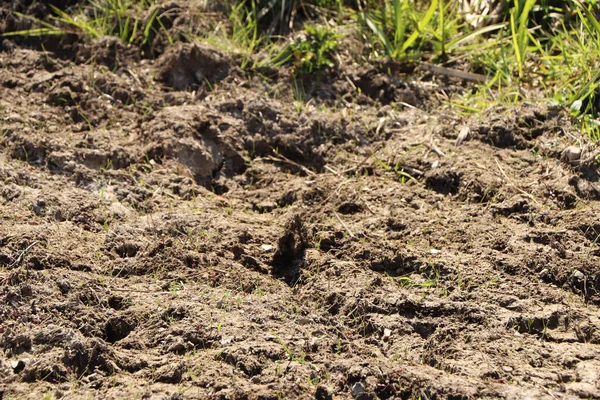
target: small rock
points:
(225, 341)
(69, 166)
(266, 247)
(387, 333)
(506, 368)
(544, 273)
(578, 276)
(357, 389)
(571, 155)
(255, 379)
(19, 365)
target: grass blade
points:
(454, 44)
(379, 33)
(421, 26)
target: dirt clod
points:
(189, 65)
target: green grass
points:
(552, 53)
(398, 25)
(125, 19)
(536, 52)
(312, 51)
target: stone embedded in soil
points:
(358, 389)
(19, 365)
(578, 276)
(571, 154)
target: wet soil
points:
(174, 227)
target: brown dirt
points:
(163, 238)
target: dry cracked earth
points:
(163, 238)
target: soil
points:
(175, 227)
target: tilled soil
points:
(163, 237)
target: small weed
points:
(109, 164)
(313, 50)
(258, 291)
(291, 356)
(175, 287)
(398, 24)
(299, 95)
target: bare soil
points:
(167, 238)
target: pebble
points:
(571, 154)
(69, 166)
(358, 389)
(578, 275)
(387, 333)
(19, 365)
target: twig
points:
(283, 158)
(22, 254)
(344, 225)
(402, 103)
(333, 171)
(367, 204)
(524, 193)
(411, 171)
(335, 191)
(138, 290)
(117, 275)
(350, 82)
(469, 76)
(363, 161)
(436, 150)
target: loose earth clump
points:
(178, 228)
